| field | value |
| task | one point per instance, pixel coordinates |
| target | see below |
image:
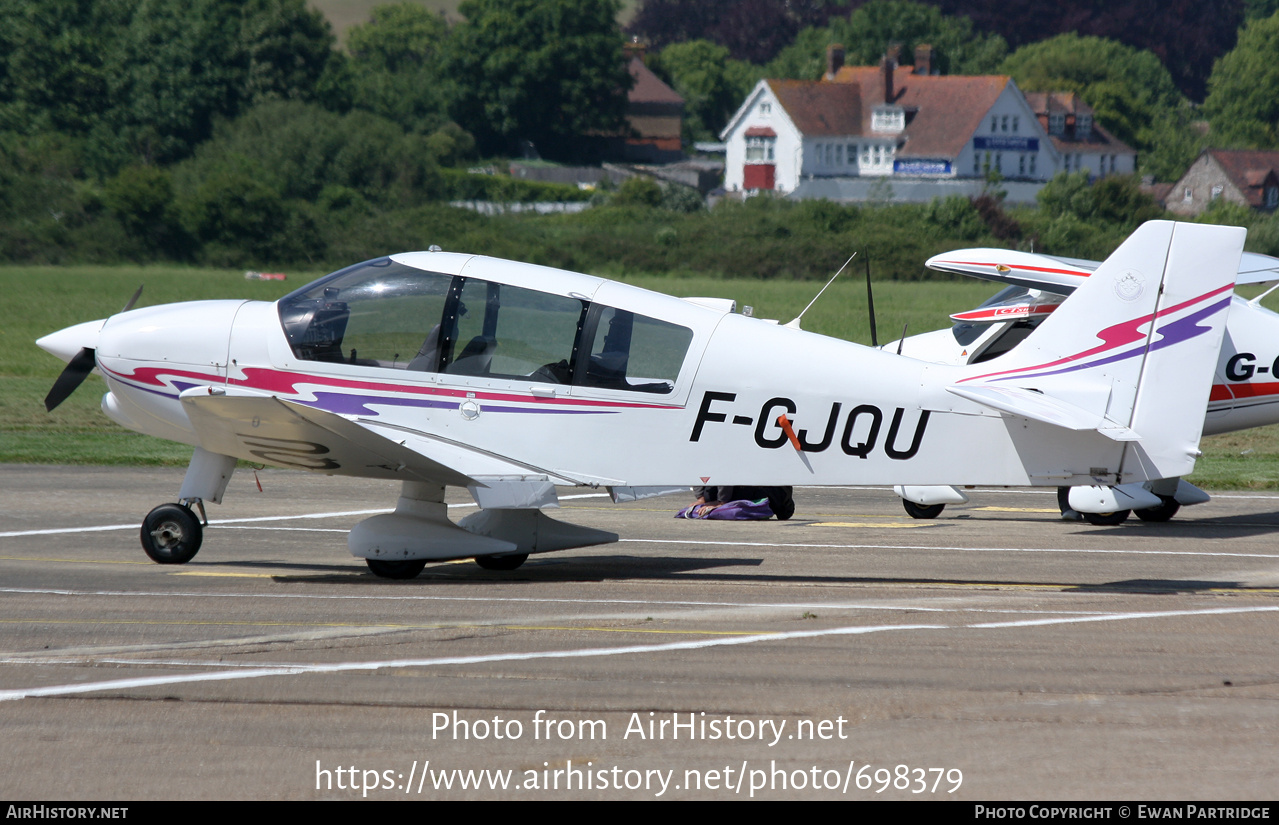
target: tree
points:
(751, 30)
(286, 45)
(53, 75)
(1186, 35)
(711, 83)
(396, 66)
(1243, 97)
(144, 79)
(547, 71)
(297, 149)
(868, 31)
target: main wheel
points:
(922, 510)
(406, 569)
(171, 534)
(1163, 512)
(501, 562)
(1107, 519)
(1063, 504)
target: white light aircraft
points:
(1245, 390)
(438, 369)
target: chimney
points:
(834, 59)
(635, 48)
(888, 65)
(923, 59)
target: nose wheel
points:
(171, 534)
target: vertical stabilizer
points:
(1131, 353)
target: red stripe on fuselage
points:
(283, 382)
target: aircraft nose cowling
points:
(196, 333)
(65, 343)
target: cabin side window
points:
(631, 352)
(503, 331)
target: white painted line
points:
(958, 549)
(580, 653)
(901, 605)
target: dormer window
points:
(1056, 123)
(1083, 127)
(1272, 197)
(888, 119)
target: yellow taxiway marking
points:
(1020, 509)
(865, 524)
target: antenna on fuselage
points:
(870, 302)
(795, 323)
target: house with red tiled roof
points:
(1081, 142)
(654, 112)
(1246, 177)
(901, 123)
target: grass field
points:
(44, 299)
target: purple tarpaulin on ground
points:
(730, 511)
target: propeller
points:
(78, 368)
(71, 377)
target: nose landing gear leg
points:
(171, 533)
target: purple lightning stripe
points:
(347, 404)
(1174, 332)
(1112, 337)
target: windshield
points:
(965, 332)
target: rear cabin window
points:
(632, 352)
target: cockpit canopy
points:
(389, 315)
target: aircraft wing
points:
(1009, 266)
(1062, 275)
(1255, 268)
(270, 430)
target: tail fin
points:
(1131, 353)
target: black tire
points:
(1107, 519)
(782, 502)
(510, 562)
(171, 534)
(1063, 504)
(406, 569)
(922, 510)
(1163, 512)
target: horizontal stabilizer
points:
(1040, 407)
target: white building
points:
(1081, 142)
(893, 122)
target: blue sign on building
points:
(921, 167)
(1006, 144)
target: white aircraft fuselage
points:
(446, 369)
